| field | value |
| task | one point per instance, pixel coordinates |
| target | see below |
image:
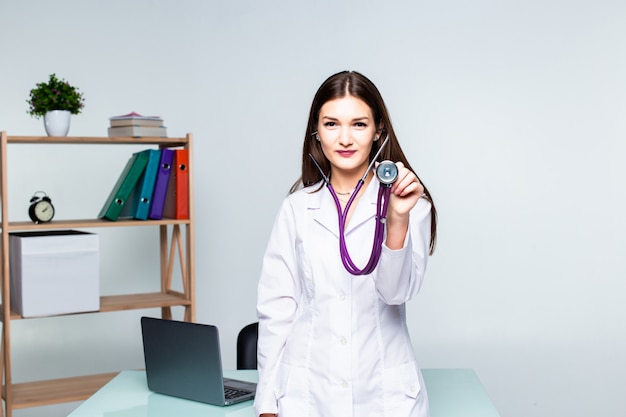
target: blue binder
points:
(142, 196)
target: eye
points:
(330, 124)
(360, 124)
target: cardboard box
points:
(54, 272)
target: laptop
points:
(183, 360)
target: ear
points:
(381, 132)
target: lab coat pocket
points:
(291, 391)
(402, 388)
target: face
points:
(346, 129)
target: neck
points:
(344, 184)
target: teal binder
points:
(121, 192)
(142, 196)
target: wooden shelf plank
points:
(73, 224)
(139, 301)
(54, 391)
(110, 303)
(42, 140)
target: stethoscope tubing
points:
(382, 203)
(379, 232)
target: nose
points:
(345, 137)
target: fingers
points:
(407, 182)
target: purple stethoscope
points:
(387, 173)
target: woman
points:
(332, 343)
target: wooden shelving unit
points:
(176, 247)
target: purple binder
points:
(160, 185)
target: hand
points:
(404, 192)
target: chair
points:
(246, 346)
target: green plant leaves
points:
(56, 94)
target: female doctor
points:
(333, 344)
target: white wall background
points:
(513, 113)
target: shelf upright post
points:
(5, 363)
(190, 310)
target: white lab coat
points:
(332, 344)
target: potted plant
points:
(55, 100)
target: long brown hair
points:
(356, 85)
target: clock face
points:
(44, 211)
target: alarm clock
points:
(41, 209)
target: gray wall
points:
(512, 112)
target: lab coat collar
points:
(325, 211)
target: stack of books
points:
(153, 184)
(135, 125)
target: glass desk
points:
(451, 393)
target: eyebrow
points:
(356, 119)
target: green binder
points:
(124, 186)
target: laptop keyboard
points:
(231, 393)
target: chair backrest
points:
(246, 346)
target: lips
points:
(346, 154)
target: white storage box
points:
(54, 272)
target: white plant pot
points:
(57, 122)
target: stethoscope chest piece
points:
(387, 173)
